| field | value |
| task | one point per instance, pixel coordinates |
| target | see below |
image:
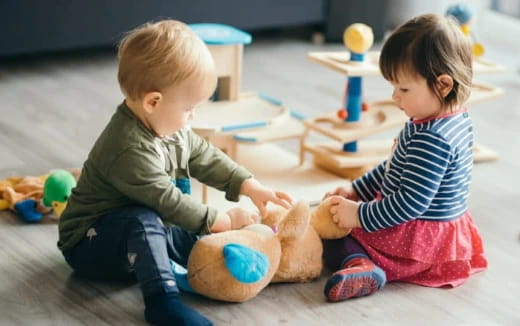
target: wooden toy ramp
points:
(252, 119)
(290, 128)
(481, 92)
(340, 62)
(380, 116)
(249, 111)
(481, 65)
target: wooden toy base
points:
(370, 153)
(347, 173)
(484, 154)
(349, 165)
(279, 169)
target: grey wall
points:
(28, 26)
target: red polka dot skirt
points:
(428, 253)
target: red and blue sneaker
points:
(358, 277)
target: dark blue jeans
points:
(132, 242)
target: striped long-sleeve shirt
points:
(427, 177)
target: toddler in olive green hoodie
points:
(131, 211)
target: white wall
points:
(401, 10)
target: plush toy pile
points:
(236, 265)
(33, 197)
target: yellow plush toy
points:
(236, 265)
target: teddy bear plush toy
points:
(236, 265)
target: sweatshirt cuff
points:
(210, 219)
(237, 178)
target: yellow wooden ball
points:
(358, 37)
(478, 49)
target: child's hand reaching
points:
(261, 195)
(344, 212)
(345, 192)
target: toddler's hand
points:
(261, 195)
(344, 212)
(345, 192)
(240, 217)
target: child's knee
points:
(146, 217)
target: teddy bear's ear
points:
(322, 222)
(295, 222)
(234, 265)
(245, 264)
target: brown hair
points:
(155, 56)
(429, 46)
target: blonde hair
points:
(429, 46)
(159, 55)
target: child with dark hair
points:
(410, 215)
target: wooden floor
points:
(51, 111)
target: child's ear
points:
(151, 100)
(444, 84)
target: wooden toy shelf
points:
(381, 116)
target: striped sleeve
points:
(426, 161)
(367, 185)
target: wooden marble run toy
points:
(359, 120)
(358, 38)
(232, 117)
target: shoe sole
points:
(349, 286)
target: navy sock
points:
(167, 309)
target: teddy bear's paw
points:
(246, 265)
(322, 222)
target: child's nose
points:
(394, 96)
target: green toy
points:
(57, 189)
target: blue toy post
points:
(353, 102)
(357, 38)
